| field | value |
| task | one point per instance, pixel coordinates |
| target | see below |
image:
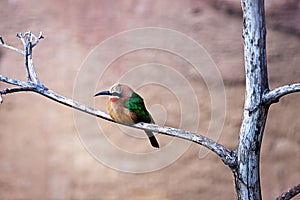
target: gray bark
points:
(244, 162)
(247, 175)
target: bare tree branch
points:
(41, 89)
(247, 174)
(30, 42)
(227, 156)
(290, 194)
(13, 90)
(34, 85)
(37, 39)
(2, 43)
(273, 96)
(21, 37)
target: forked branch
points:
(34, 85)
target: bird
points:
(126, 106)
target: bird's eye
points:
(116, 94)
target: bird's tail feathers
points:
(152, 139)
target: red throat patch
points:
(113, 98)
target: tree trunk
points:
(247, 176)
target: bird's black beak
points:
(105, 92)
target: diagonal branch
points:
(273, 96)
(41, 89)
(2, 43)
(227, 156)
(13, 90)
(34, 85)
(290, 194)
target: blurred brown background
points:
(41, 156)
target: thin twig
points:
(37, 39)
(21, 37)
(1, 40)
(10, 47)
(14, 81)
(273, 96)
(13, 90)
(290, 194)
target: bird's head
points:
(116, 92)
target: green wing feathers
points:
(140, 114)
(136, 105)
